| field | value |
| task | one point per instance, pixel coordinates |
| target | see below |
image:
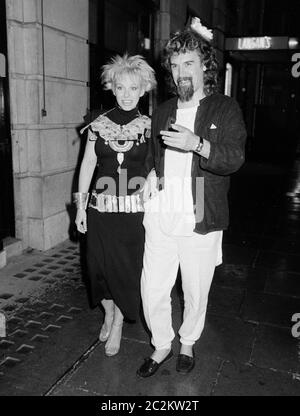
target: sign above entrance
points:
(254, 43)
(261, 43)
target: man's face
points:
(187, 72)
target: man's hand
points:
(81, 221)
(183, 138)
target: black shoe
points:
(150, 366)
(185, 363)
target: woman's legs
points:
(111, 330)
(108, 305)
(112, 345)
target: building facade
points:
(54, 51)
(47, 71)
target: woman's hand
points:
(150, 186)
(81, 221)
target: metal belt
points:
(113, 203)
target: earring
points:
(204, 68)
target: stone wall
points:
(45, 148)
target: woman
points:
(117, 143)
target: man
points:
(193, 158)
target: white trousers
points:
(197, 256)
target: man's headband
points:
(203, 31)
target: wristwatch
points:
(199, 145)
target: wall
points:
(45, 149)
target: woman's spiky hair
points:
(187, 41)
(132, 65)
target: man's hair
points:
(128, 65)
(187, 41)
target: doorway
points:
(269, 96)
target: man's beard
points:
(185, 92)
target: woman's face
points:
(128, 90)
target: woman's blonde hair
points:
(132, 65)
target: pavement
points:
(250, 345)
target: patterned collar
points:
(136, 129)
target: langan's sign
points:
(264, 42)
(259, 43)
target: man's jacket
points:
(218, 120)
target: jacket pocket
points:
(212, 135)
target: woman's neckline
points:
(130, 113)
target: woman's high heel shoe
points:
(104, 334)
(105, 330)
(112, 345)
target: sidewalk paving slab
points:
(116, 375)
(248, 380)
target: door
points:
(277, 127)
(270, 99)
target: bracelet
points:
(199, 145)
(81, 199)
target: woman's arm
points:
(88, 164)
(87, 168)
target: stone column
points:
(45, 148)
(162, 27)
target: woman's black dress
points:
(115, 241)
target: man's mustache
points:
(184, 79)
